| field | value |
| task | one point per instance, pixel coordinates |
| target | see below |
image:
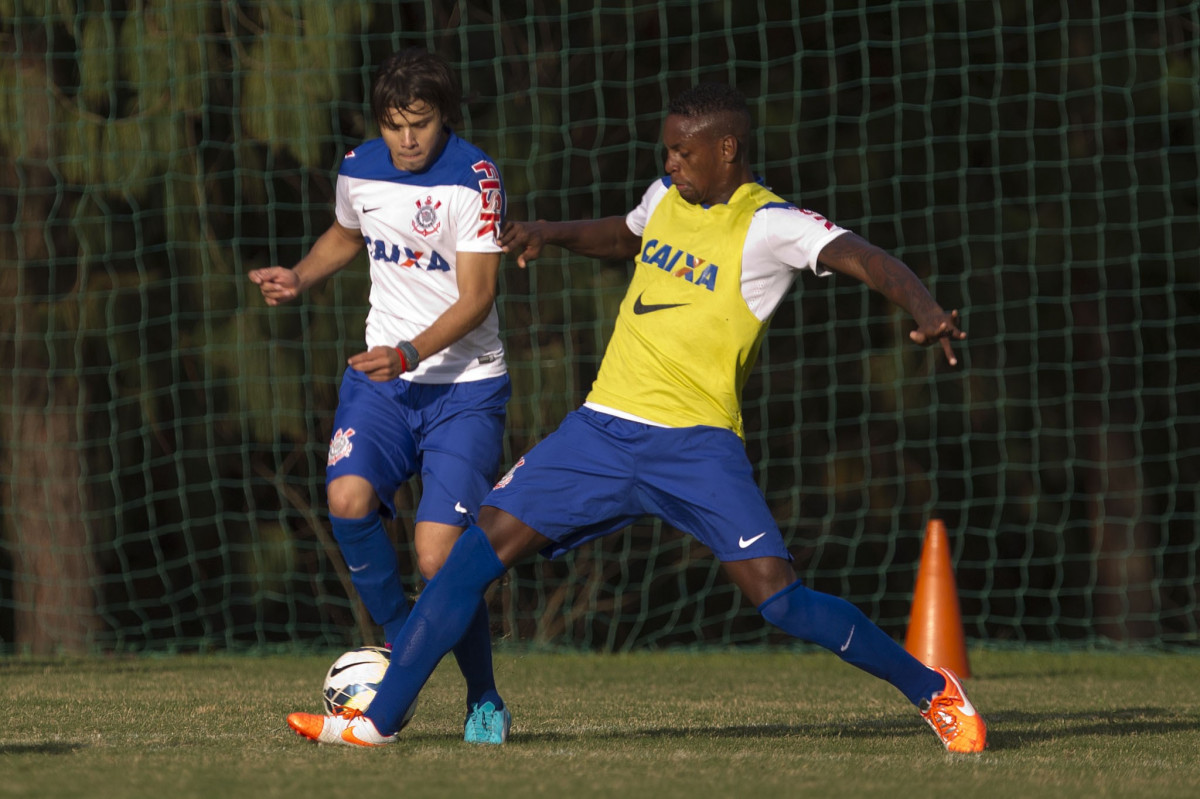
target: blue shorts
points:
(598, 473)
(451, 433)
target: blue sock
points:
(439, 620)
(374, 570)
(474, 655)
(845, 631)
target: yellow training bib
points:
(684, 340)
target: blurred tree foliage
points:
(164, 432)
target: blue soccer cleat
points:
(486, 725)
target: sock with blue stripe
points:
(374, 569)
(440, 618)
(845, 631)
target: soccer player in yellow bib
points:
(660, 432)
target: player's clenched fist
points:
(277, 284)
(378, 363)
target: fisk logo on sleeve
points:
(817, 217)
(491, 195)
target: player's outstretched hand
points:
(277, 284)
(941, 327)
(378, 363)
(526, 239)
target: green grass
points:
(675, 724)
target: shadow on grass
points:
(51, 748)
(1012, 730)
(884, 728)
(1019, 729)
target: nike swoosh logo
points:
(349, 737)
(849, 638)
(640, 307)
(370, 210)
(743, 543)
(337, 671)
(357, 569)
(458, 508)
(966, 707)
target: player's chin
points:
(412, 163)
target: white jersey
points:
(782, 239)
(414, 225)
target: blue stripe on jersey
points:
(453, 167)
(779, 205)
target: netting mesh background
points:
(163, 433)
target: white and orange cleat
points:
(954, 718)
(349, 728)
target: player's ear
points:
(731, 149)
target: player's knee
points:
(471, 566)
(787, 609)
(511, 539)
(430, 563)
(433, 543)
(760, 579)
(351, 497)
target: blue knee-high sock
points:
(438, 621)
(474, 655)
(845, 631)
(374, 570)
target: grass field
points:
(667, 724)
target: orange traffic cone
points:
(935, 631)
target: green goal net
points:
(163, 433)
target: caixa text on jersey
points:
(386, 252)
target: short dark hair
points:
(413, 76)
(707, 99)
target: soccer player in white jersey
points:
(428, 395)
(660, 432)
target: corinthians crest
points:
(426, 221)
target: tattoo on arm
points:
(858, 258)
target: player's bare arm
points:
(855, 256)
(336, 247)
(607, 239)
(476, 274)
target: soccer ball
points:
(353, 679)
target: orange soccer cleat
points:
(349, 728)
(954, 718)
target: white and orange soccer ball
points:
(353, 679)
